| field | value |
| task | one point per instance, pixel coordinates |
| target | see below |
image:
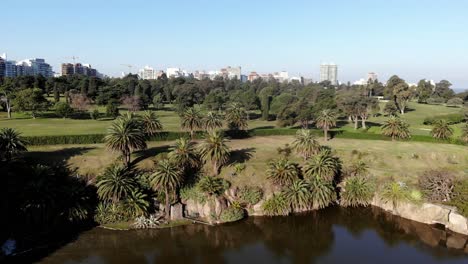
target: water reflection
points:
(328, 236)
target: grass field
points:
(399, 160)
(171, 122)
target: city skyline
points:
(421, 41)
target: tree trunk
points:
(363, 120)
(168, 206)
(325, 132)
(8, 107)
(215, 168)
(402, 111)
(356, 123)
(350, 119)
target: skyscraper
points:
(329, 72)
(2, 67)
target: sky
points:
(414, 39)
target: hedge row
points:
(450, 118)
(172, 135)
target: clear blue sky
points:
(414, 39)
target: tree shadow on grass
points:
(150, 153)
(56, 157)
(240, 156)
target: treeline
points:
(289, 102)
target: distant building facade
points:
(372, 76)
(32, 67)
(147, 73)
(329, 72)
(69, 69)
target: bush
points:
(232, 214)
(395, 192)
(63, 109)
(455, 102)
(437, 185)
(449, 118)
(276, 205)
(356, 191)
(435, 100)
(192, 193)
(112, 110)
(460, 197)
(94, 114)
(390, 108)
(249, 195)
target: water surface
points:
(333, 235)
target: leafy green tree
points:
(116, 183)
(212, 121)
(158, 102)
(125, 135)
(191, 120)
(326, 120)
(424, 89)
(282, 172)
(212, 186)
(454, 102)
(63, 109)
(213, 149)
(298, 195)
(395, 127)
(464, 134)
(323, 166)
(184, 153)
(390, 108)
(441, 130)
(266, 95)
(366, 107)
(166, 176)
(112, 110)
(6, 97)
(30, 100)
(399, 91)
(215, 100)
(11, 143)
(150, 122)
(305, 144)
(442, 89)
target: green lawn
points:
(171, 122)
(386, 159)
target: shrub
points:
(249, 195)
(455, 102)
(322, 193)
(276, 205)
(390, 108)
(192, 193)
(395, 192)
(107, 213)
(94, 114)
(435, 100)
(63, 109)
(460, 197)
(449, 118)
(356, 191)
(231, 214)
(112, 110)
(437, 185)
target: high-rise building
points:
(147, 73)
(67, 69)
(329, 72)
(78, 69)
(2, 67)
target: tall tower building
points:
(329, 72)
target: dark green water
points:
(333, 235)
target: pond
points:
(333, 235)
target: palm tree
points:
(236, 117)
(184, 153)
(305, 144)
(396, 128)
(356, 191)
(115, 183)
(11, 143)
(212, 121)
(167, 176)
(125, 135)
(151, 123)
(298, 195)
(211, 186)
(326, 120)
(191, 120)
(395, 192)
(214, 150)
(322, 193)
(282, 172)
(322, 166)
(136, 203)
(441, 130)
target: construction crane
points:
(129, 67)
(74, 58)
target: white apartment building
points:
(329, 72)
(147, 73)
